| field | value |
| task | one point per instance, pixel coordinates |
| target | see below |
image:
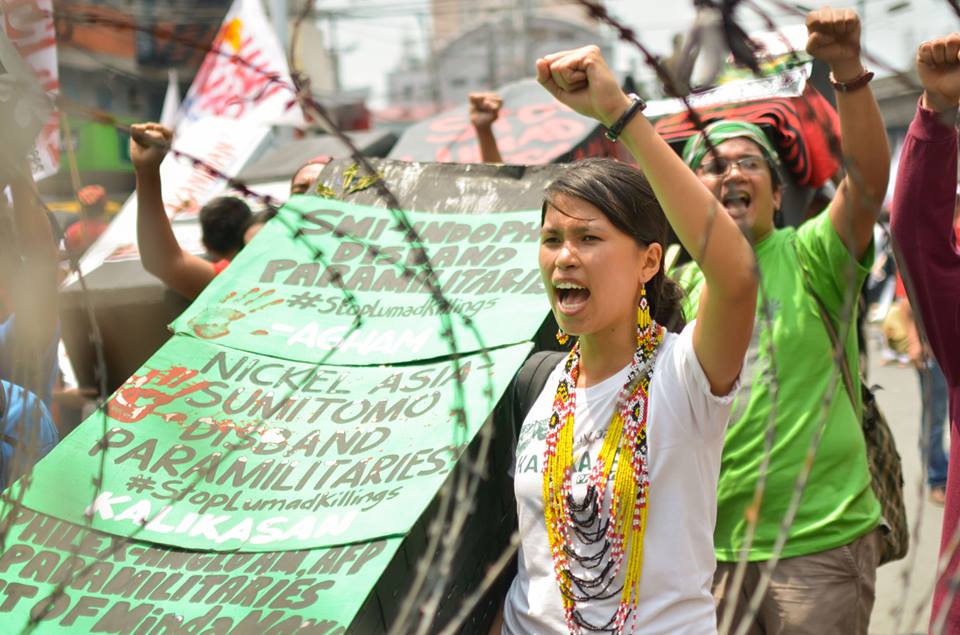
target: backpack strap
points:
(529, 383)
(839, 350)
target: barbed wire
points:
(625, 34)
(424, 273)
(838, 352)
(462, 482)
(946, 555)
(373, 250)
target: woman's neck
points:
(604, 354)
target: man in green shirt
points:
(824, 581)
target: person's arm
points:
(484, 110)
(581, 79)
(159, 250)
(496, 628)
(34, 294)
(834, 38)
(922, 216)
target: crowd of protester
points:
(714, 367)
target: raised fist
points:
(581, 79)
(484, 109)
(149, 143)
(938, 66)
(833, 36)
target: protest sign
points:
(802, 129)
(29, 26)
(133, 308)
(211, 448)
(281, 299)
(111, 585)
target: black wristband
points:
(613, 132)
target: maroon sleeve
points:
(922, 226)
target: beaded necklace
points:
(619, 536)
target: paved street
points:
(904, 588)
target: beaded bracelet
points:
(856, 83)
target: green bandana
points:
(724, 130)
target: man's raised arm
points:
(159, 250)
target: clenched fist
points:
(938, 66)
(149, 143)
(484, 109)
(833, 36)
(581, 79)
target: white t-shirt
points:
(685, 429)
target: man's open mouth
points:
(736, 203)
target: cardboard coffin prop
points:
(277, 464)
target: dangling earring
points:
(643, 311)
(562, 337)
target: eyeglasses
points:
(750, 164)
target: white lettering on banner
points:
(220, 528)
(29, 25)
(787, 84)
(364, 342)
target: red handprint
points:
(135, 400)
(214, 321)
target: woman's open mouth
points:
(571, 297)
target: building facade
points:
(488, 54)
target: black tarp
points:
(533, 129)
(281, 162)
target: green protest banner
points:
(207, 447)
(288, 293)
(113, 585)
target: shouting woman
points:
(619, 456)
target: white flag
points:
(29, 26)
(249, 78)
(171, 102)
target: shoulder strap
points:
(838, 347)
(530, 382)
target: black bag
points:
(529, 383)
(886, 472)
